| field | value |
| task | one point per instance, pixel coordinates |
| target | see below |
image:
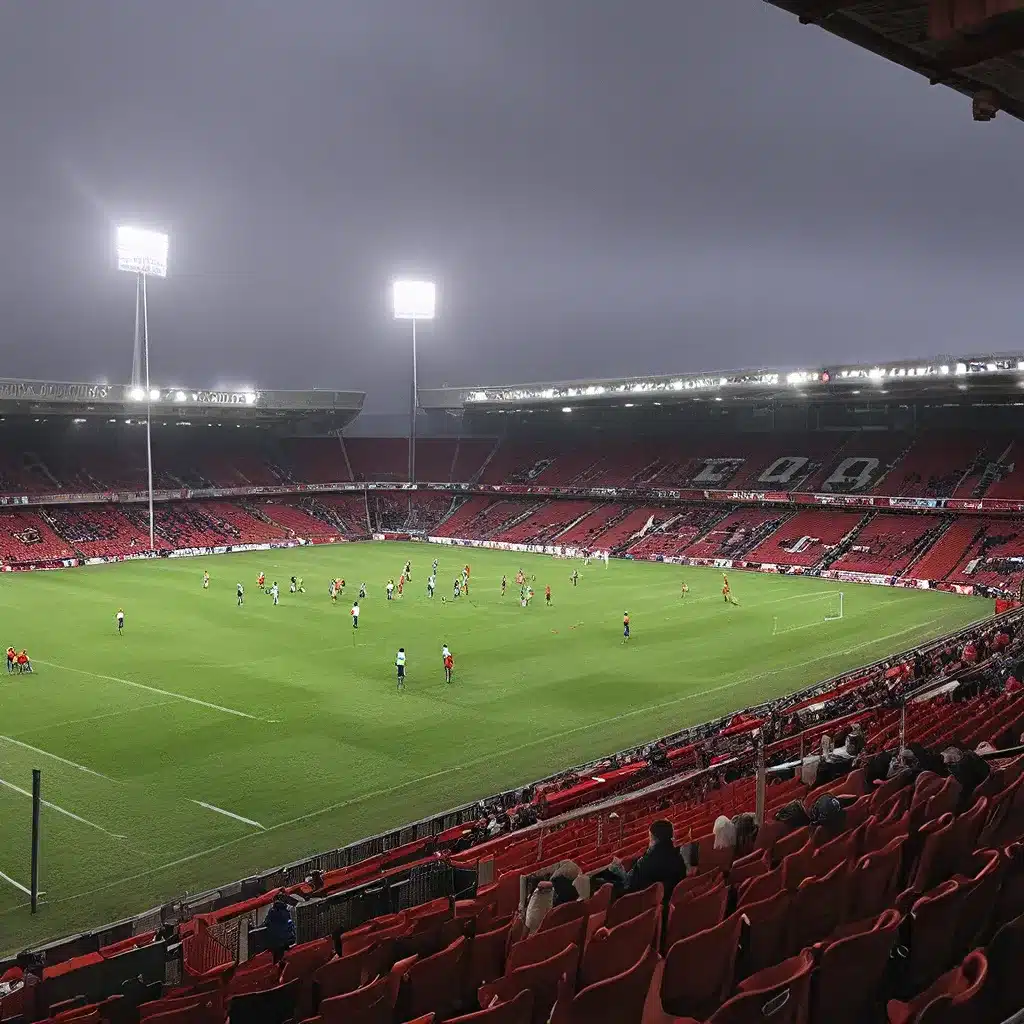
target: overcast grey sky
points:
(599, 187)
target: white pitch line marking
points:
(17, 885)
(493, 755)
(154, 689)
(229, 814)
(62, 760)
(61, 810)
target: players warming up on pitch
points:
(400, 668)
(362, 591)
(726, 592)
(240, 591)
(431, 584)
(390, 588)
(547, 595)
(120, 621)
(625, 626)
(504, 584)
(683, 590)
(448, 662)
(261, 581)
(275, 592)
(408, 571)
(575, 577)
(206, 581)
(355, 614)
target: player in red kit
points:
(401, 584)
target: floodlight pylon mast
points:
(149, 411)
(412, 414)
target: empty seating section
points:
(909, 908)
(735, 535)
(470, 455)
(668, 532)
(95, 531)
(973, 549)
(378, 458)
(941, 465)
(995, 556)
(481, 517)
(806, 538)
(859, 463)
(888, 544)
(27, 537)
(434, 457)
(299, 522)
(545, 523)
(348, 511)
(588, 531)
(952, 547)
(315, 460)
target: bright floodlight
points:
(137, 394)
(414, 300)
(142, 252)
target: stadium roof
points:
(941, 376)
(937, 40)
(61, 399)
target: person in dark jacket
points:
(663, 862)
(280, 928)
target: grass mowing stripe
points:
(519, 674)
(498, 754)
(56, 757)
(153, 689)
(61, 810)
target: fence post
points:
(37, 789)
(761, 779)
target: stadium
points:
(665, 698)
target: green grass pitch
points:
(280, 715)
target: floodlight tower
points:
(144, 254)
(413, 300)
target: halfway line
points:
(229, 814)
(61, 810)
(154, 689)
(63, 760)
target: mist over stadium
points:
(511, 515)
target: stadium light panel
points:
(179, 396)
(250, 397)
(154, 395)
(566, 408)
(142, 252)
(414, 300)
(137, 394)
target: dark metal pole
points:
(37, 789)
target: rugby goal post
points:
(803, 617)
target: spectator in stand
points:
(569, 883)
(968, 769)
(280, 928)
(827, 816)
(1012, 685)
(542, 900)
(663, 862)
(725, 833)
(792, 816)
(746, 832)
